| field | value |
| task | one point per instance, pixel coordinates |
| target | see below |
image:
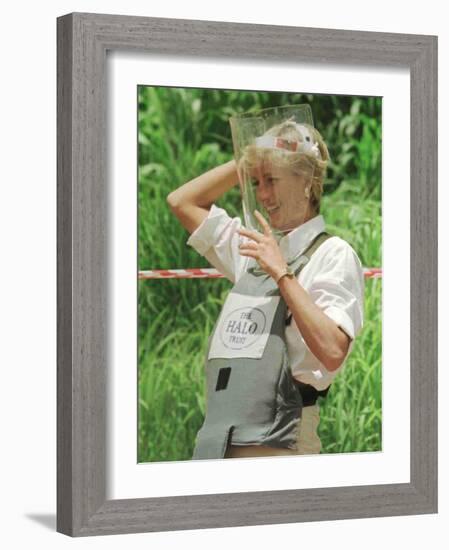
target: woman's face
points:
(282, 194)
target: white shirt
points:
(333, 278)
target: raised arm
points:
(191, 202)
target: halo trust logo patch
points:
(242, 327)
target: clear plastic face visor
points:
(276, 155)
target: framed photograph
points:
(143, 107)
(178, 287)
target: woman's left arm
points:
(325, 339)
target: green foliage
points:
(183, 133)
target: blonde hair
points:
(300, 163)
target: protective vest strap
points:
(314, 245)
(307, 254)
(308, 392)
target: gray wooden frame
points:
(83, 40)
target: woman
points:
(289, 322)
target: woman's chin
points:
(276, 225)
(274, 217)
(276, 221)
(284, 226)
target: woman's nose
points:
(263, 190)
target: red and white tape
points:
(211, 273)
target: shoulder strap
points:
(309, 251)
(316, 243)
(309, 393)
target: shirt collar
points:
(295, 242)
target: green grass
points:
(183, 133)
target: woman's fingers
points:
(255, 235)
(249, 244)
(249, 252)
(263, 222)
(250, 234)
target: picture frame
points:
(82, 301)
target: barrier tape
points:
(211, 273)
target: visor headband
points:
(307, 145)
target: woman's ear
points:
(307, 192)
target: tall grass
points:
(182, 133)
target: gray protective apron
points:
(252, 397)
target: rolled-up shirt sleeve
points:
(216, 239)
(338, 287)
(334, 280)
